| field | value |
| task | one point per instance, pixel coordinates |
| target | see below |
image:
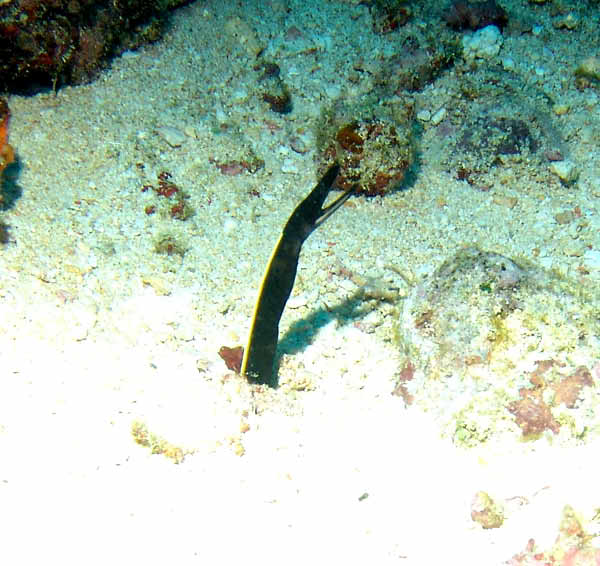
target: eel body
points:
(278, 280)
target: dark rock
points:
(50, 43)
(463, 14)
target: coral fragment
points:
(532, 414)
(232, 357)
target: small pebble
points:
(184, 332)
(564, 217)
(245, 34)
(508, 64)
(333, 91)
(565, 170)
(240, 95)
(297, 301)
(591, 101)
(229, 225)
(160, 286)
(508, 202)
(561, 109)
(589, 68)
(190, 132)
(289, 166)
(553, 155)
(438, 116)
(592, 259)
(573, 251)
(298, 144)
(570, 22)
(173, 136)
(483, 44)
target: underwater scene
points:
(295, 282)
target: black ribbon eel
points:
(278, 280)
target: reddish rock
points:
(400, 390)
(373, 154)
(532, 414)
(232, 357)
(7, 154)
(567, 390)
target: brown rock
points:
(567, 390)
(486, 512)
(532, 414)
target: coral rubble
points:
(373, 146)
(44, 44)
(507, 345)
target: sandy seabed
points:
(99, 332)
